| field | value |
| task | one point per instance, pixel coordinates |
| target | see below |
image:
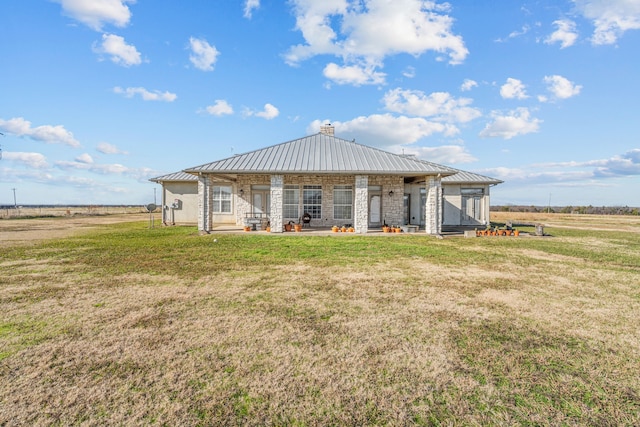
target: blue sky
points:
(98, 96)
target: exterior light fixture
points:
(391, 193)
(241, 192)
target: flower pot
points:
(351, 230)
(268, 229)
(386, 229)
(287, 227)
(343, 229)
(247, 228)
(516, 233)
(297, 227)
(335, 229)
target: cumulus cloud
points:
(565, 34)
(219, 108)
(249, 7)
(439, 106)
(513, 89)
(468, 84)
(611, 18)
(515, 123)
(387, 130)
(444, 154)
(203, 55)
(50, 134)
(561, 87)
(120, 52)
(269, 112)
(96, 13)
(146, 95)
(84, 158)
(31, 160)
(106, 148)
(623, 165)
(353, 74)
(366, 32)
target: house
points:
(333, 181)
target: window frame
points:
(340, 206)
(222, 195)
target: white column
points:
(277, 199)
(205, 204)
(433, 220)
(361, 208)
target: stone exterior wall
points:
(433, 223)
(361, 204)
(205, 204)
(277, 192)
(392, 206)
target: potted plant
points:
(288, 226)
(351, 230)
(335, 228)
(343, 229)
(297, 227)
(247, 228)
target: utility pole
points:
(15, 204)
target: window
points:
(312, 200)
(222, 199)
(291, 201)
(342, 202)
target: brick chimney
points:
(327, 129)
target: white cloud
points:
(103, 169)
(203, 55)
(409, 72)
(269, 112)
(96, 13)
(220, 108)
(84, 158)
(439, 106)
(517, 122)
(624, 165)
(50, 134)
(121, 53)
(445, 154)
(249, 6)
(368, 31)
(561, 88)
(32, 160)
(515, 34)
(106, 148)
(565, 34)
(146, 95)
(611, 18)
(513, 88)
(468, 84)
(353, 74)
(386, 130)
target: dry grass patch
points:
(360, 331)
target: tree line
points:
(590, 210)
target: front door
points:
(261, 204)
(375, 209)
(471, 211)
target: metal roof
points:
(176, 176)
(322, 153)
(464, 177)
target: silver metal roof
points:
(464, 177)
(322, 153)
(176, 176)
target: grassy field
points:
(128, 325)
